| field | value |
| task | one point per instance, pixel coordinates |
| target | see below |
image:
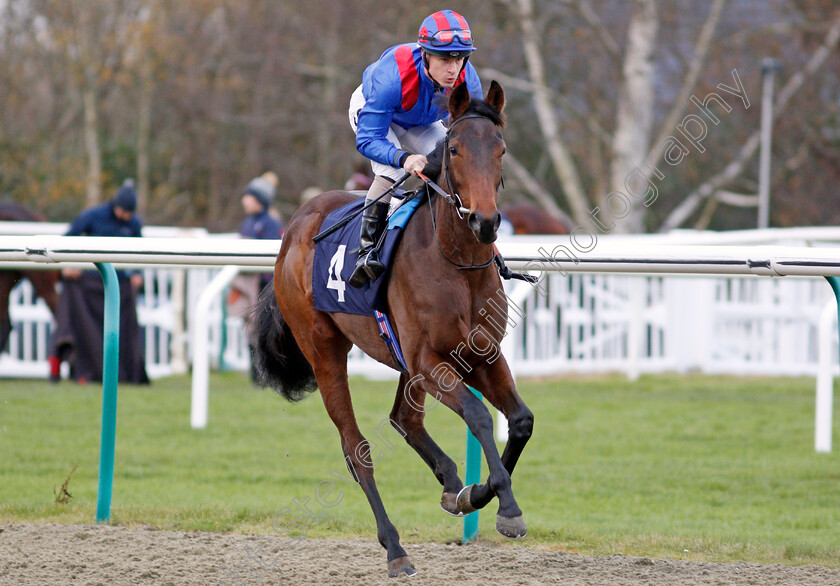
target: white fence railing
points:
(591, 318)
(574, 323)
(598, 323)
(585, 323)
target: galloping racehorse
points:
(442, 287)
(43, 282)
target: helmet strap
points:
(463, 65)
(437, 86)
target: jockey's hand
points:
(415, 164)
(71, 273)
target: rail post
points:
(110, 377)
(825, 380)
(472, 475)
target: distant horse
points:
(43, 282)
(529, 219)
(442, 282)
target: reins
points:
(454, 199)
(461, 267)
(349, 217)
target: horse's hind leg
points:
(407, 416)
(44, 283)
(331, 374)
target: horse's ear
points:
(496, 96)
(459, 101)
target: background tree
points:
(196, 97)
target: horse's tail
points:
(279, 362)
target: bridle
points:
(454, 199)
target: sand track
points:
(89, 555)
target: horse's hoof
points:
(400, 565)
(449, 504)
(511, 527)
(464, 504)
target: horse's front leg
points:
(5, 331)
(496, 384)
(407, 416)
(446, 388)
(7, 281)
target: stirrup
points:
(366, 270)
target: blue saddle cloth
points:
(335, 259)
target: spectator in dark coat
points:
(80, 316)
(259, 224)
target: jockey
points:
(397, 115)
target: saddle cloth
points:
(335, 259)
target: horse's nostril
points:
(473, 221)
(497, 221)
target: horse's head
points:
(473, 156)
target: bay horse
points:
(43, 281)
(442, 284)
(527, 218)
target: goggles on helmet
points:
(444, 38)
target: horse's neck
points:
(455, 238)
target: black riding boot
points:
(368, 265)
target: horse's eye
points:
(453, 151)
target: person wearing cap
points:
(262, 225)
(256, 201)
(80, 313)
(397, 114)
(113, 218)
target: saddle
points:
(335, 258)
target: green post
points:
(110, 376)
(224, 341)
(472, 476)
(835, 286)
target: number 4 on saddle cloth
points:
(335, 259)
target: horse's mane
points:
(477, 107)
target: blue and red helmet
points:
(446, 34)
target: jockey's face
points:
(444, 70)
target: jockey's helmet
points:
(446, 34)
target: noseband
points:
(454, 199)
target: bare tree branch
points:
(536, 191)
(591, 122)
(591, 17)
(634, 119)
(701, 50)
(739, 200)
(682, 212)
(561, 158)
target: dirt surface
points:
(83, 554)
